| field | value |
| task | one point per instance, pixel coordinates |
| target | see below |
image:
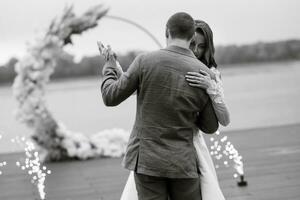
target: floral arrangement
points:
(56, 142)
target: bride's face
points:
(199, 45)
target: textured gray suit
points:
(168, 113)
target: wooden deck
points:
(272, 169)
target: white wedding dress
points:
(210, 188)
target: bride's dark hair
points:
(209, 51)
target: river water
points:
(258, 95)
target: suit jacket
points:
(168, 113)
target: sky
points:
(232, 21)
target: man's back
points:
(161, 142)
(164, 96)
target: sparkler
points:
(32, 165)
(222, 148)
(4, 163)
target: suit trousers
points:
(161, 188)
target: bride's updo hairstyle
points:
(180, 25)
(209, 51)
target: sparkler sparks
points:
(222, 149)
(32, 165)
(3, 163)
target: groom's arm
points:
(207, 120)
(118, 86)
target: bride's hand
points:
(110, 55)
(199, 79)
(107, 52)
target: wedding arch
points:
(54, 139)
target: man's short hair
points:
(181, 25)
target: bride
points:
(203, 48)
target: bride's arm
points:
(214, 89)
(111, 65)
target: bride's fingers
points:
(194, 85)
(194, 80)
(197, 85)
(109, 48)
(204, 73)
(106, 54)
(194, 77)
(194, 73)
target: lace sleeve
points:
(216, 93)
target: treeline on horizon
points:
(225, 55)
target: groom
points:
(169, 112)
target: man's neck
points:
(179, 42)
